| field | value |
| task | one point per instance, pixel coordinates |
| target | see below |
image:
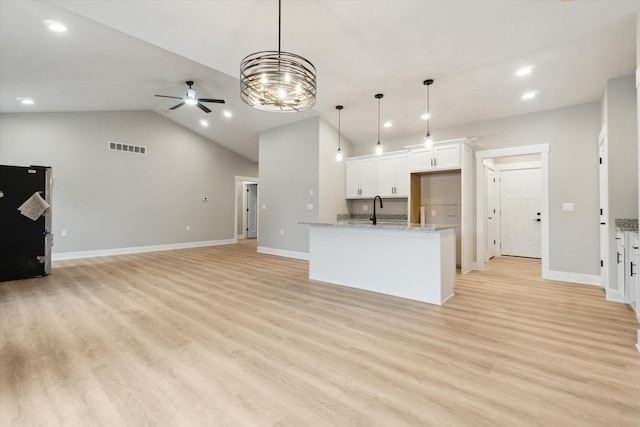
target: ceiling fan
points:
(192, 99)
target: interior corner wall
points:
(622, 141)
(108, 199)
(572, 135)
(622, 144)
(289, 167)
(331, 189)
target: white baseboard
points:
(283, 252)
(614, 295)
(585, 279)
(139, 249)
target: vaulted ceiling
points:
(116, 55)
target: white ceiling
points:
(117, 54)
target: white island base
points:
(412, 262)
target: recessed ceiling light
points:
(56, 27)
(425, 116)
(530, 95)
(388, 124)
(204, 123)
(27, 101)
(227, 113)
(524, 71)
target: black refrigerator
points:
(25, 224)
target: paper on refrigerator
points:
(34, 206)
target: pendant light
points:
(278, 81)
(379, 149)
(339, 152)
(428, 141)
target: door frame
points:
(543, 150)
(240, 182)
(603, 200)
(490, 166)
(246, 210)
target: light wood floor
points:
(224, 336)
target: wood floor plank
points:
(223, 335)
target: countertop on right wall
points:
(627, 224)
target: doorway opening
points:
(513, 215)
(246, 208)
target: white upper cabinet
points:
(386, 176)
(440, 157)
(361, 179)
(393, 175)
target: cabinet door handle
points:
(632, 272)
(617, 257)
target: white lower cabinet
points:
(620, 264)
(632, 250)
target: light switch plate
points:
(309, 206)
(365, 207)
(567, 207)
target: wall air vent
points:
(117, 146)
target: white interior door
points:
(520, 220)
(252, 211)
(492, 214)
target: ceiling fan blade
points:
(167, 96)
(203, 108)
(217, 101)
(177, 106)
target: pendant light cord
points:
(428, 110)
(279, 22)
(378, 120)
(339, 111)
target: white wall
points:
(110, 199)
(572, 134)
(289, 166)
(331, 197)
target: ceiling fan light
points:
(191, 101)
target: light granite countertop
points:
(387, 225)
(627, 224)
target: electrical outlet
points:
(311, 192)
(567, 207)
(63, 233)
(188, 228)
(365, 207)
(309, 206)
(433, 212)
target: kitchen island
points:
(417, 262)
